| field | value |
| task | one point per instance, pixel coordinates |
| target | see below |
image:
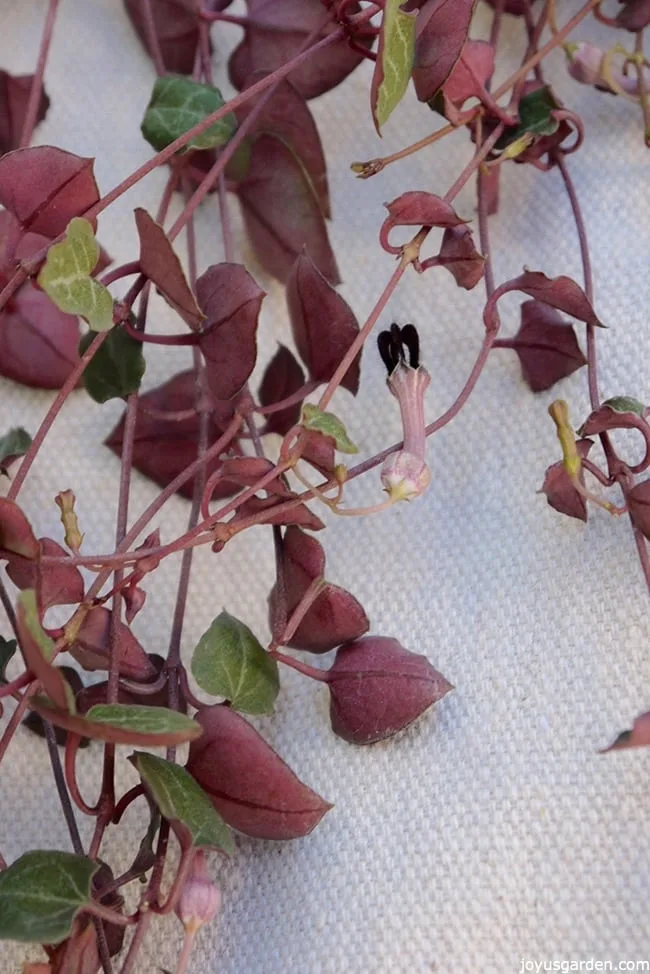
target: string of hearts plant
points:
(202, 434)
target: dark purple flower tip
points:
(395, 343)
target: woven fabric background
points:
(492, 830)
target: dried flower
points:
(405, 474)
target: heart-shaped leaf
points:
(621, 412)
(178, 104)
(229, 661)
(320, 451)
(160, 264)
(248, 783)
(546, 345)
(442, 28)
(65, 276)
(459, 255)
(394, 61)
(328, 424)
(560, 492)
(467, 79)
(117, 367)
(38, 343)
(41, 893)
(231, 302)
(176, 27)
(38, 651)
(15, 443)
(282, 377)
(559, 292)
(416, 209)
(281, 211)
(122, 723)
(276, 512)
(16, 535)
(91, 647)
(45, 187)
(635, 15)
(378, 688)
(536, 118)
(323, 324)
(183, 802)
(54, 584)
(14, 99)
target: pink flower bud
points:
(585, 62)
(405, 476)
(200, 898)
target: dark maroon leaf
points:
(38, 343)
(619, 413)
(281, 211)
(280, 29)
(54, 584)
(560, 292)
(416, 209)
(547, 346)
(323, 324)
(14, 97)
(639, 736)
(459, 255)
(45, 187)
(176, 27)
(249, 784)
(231, 301)
(334, 618)
(516, 7)
(287, 116)
(442, 30)
(248, 471)
(468, 78)
(320, 451)
(164, 448)
(635, 15)
(92, 645)
(638, 504)
(301, 515)
(16, 535)
(282, 377)
(560, 492)
(160, 264)
(378, 688)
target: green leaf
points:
(535, 119)
(7, 651)
(625, 404)
(178, 104)
(117, 367)
(230, 662)
(13, 444)
(181, 800)
(143, 720)
(394, 60)
(41, 893)
(314, 418)
(27, 600)
(65, 277)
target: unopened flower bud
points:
(559, 413)
(200, 898)
(585, 63)
(73, 536)
(405, 476)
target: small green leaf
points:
(535, 119)
(65, 277)
(394, 60)
(13, 444)
(181, 800)
(143, 720)
(27, 600)
(117, 367)
(7, 651)
(314, 418)
(230, 662)
(625, 404)
(40, 895)
(178, 104)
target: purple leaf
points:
(515, 7)
(638, 504)
(160, 264)
(323, 324)
(301, 515)
(622, 412)
(54, 584)
(249, 784)
(635, 15)
(231, 301)
(248, 471)
(38, 343)
(283, 376)
(279, 30)
(560, 292)
(442, 30)
(335, 617)
(378, 688)
(16, 535)
(14, 97)
(639, 736)
(176, 25)
(287, 116)
(461, 258)
(560, 492)
(45, 187)
(546, 345)
(320, 451)
(468, 78)
(281, 211)
(164, 448)
(416, 209)
(92, 644)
